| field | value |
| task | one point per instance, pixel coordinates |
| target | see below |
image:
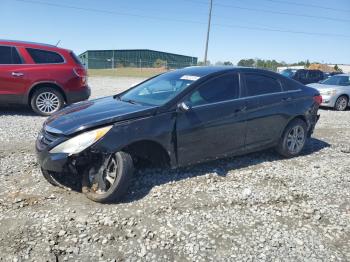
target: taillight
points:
(79, 71)
(318, 99)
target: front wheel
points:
(293, 139)
(341, 103)
(110, 184)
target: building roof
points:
(135, 50)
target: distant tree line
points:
(270, 64)
(262, 63)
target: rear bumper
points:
(77, 96)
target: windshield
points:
(159, 90)
(337, 81)
(288, 72)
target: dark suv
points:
(44, 77)
(304, 76)
(175, 119)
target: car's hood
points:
(83, 115)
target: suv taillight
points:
(318, 99)
(79, 71)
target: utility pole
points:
(208, 33)
(113, 59)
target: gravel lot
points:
(254, 207)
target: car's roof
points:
(207, 70)
(27, 44)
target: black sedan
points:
(175, 119)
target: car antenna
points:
(59, 41)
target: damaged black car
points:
(175, 119)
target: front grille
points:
(46, 139)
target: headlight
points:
(330, 92)
(80, 142)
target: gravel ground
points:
(253, 207)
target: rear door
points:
(12, 83)
(215, 124)
(267, 108)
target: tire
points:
(341, 104)
(46, 101)
(293, 139)
(124, 173)
(52, 178)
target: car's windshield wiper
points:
(129, 101)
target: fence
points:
(111, 63)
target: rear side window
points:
(9, 56)
(301, 74)
(314, 74)
(44, 56)
(260, 85)
(290, 85)
(219, 89)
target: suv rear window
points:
(9, 56)
(44, 56)
(75, 58)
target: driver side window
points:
(219, 89)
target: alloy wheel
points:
(342, 103)
(296, 139)
(101, 184)
(47, 102)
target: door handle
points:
(286, 99)
(17, 74)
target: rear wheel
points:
(110, 184)
(341, 103)
(46, 101)
(293, 139)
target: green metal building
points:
(142, 58)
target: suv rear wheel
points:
(46, 101)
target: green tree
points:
(307, 64)
(246, 62)
(337, 69)
(159, 63)
(228, 63)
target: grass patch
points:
(126, 72)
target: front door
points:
(12, 79)
(215, 125)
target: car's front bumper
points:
(77, 96)
(52, 161)
(328, 100)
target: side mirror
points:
(183, 107)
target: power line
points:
(270, 29)
(308, 5)
(274, 12)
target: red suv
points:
(44, 77)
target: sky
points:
(240, 29)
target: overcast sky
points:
(317, 30)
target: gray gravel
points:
(253, 207)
